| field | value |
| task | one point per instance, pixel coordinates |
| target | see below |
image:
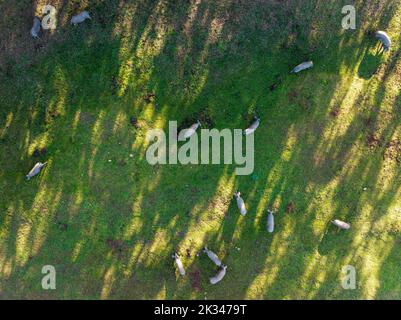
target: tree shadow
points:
(370, 65)
(109, 222)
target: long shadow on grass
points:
(109, 222)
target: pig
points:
(212, 256)
(302, 66)
(36, 28)
(35, 170)
(80, 17)
(384, 40)
(179, 264)
(187, 133)
(219, 276)
(270, 221)
(341, 224)
(240, 203)
(252, 127)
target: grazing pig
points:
(341, 224)
(252, 127)
(384, 39)
(35, 28)
(302, 66)
(240, 203)
(35, 170)
(80, 17)
(186, 133)
(270, 221)
(179, 264)
(212, 256)
(219, 276)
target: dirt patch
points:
(116, 245)
(290, 207)
(292, 96)
(335, 112)
(196, 280)
(218, 204)
(318, 160)
(369, 122)
(373, 141)
(295, 98)
(393, 151)
(87, 119)
(149, 97)
(180, 234)
(51, 115)
(304, 103)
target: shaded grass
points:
(109, 227)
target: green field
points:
(328, 147)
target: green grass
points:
(109, 228)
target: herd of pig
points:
(37, 23)
(385, 42)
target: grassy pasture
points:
(328, 147)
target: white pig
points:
(341, 224)
(270, 221)
(179, 264)
(35, 28)
(186, 133)
(219, 276)
(252, 127)
(302, 66)
(80, 17)
(212, 256)
(384, 39)
(240, 203)
(35, 170)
